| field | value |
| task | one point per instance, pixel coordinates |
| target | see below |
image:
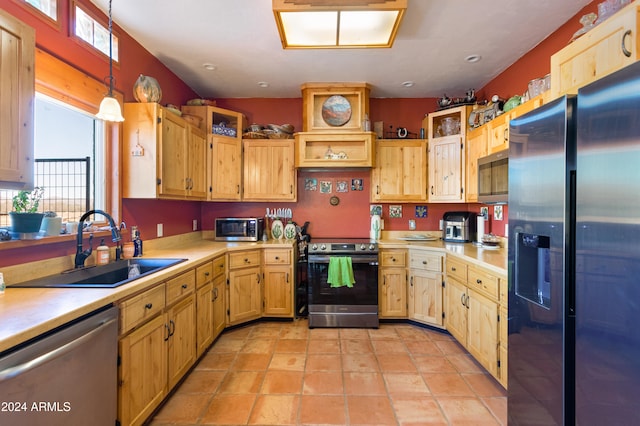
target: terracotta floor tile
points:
(288, 362)
(323, 346)
(227, 345)
(276, 382)
(322, 409)
(484, 385)
(447, 384)
(242, 382)
(497, 406)
(216, 361)
(418, 411)
(324, 333)
(291, 346)
(423, 347)
(388, 347)
(183, 408)
(412, 333)
(296, 331)
(386, 331)
(323, 383)
(266, 331)
(251, 361)
(360, 362)
(263, 346)
(370, 410)
(275, 410)
(323, 362)
(450, 347)
(354, 333)
(229, 409)
(466, 411)
(356, 383)
(433, 364)
(202, 381)
(398, 363)
(465, 363)
(356, 346)
(405, 384)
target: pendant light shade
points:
(110, 107)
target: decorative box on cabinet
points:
(400, 173)
(604, 49)
(314, 97)
(16, 103)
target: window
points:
(70, 166)
(48, 7)
(94, 33)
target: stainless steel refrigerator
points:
(574, 258)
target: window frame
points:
(73, 4)
(54, 23)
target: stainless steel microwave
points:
(239, 228)
(493, 178)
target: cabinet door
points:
(456, 313)
(173, 155)
(425, 297)
(245, 298)
(142, 372)
(219, 305)
(204, 318)
(197, 170)
(401, 171)
(482, 339)
(181, 319)
(498, 134)
(16, 102)
(225, 168)
(393, 292)
(269, 171)
(446, 172)
(476, 148)
(278, 291)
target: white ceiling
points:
(240, 38)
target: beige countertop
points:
(26, 313)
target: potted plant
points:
(25, 217)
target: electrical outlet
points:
(412, 225)
(195, 224)
(160, 230)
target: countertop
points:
(26, 313)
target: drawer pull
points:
(277, 258)
(478, 281)
(148, 306)
(424, 262)
(393, 259)
(184, 286)
(453, 269)
(168, 332)
(626, 51)
(206, 274)
(246, 260)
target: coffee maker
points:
(459, 227)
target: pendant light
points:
(110, 107)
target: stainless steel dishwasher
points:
(65, 377)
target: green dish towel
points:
(340, 272)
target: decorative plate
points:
(336, 110)
(277, 229)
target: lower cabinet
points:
(392, 284)
(278, 282)
(425, 287)
(244, 286)
(210, 303)
(157, 345)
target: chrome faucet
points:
(81, 255)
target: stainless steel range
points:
(332, 305)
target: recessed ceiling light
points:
(473, 58)
(408, 83)
(263, 84)
(209, 67)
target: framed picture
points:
(325, 186)
(342, 186)
(310, 184)
(375, 209)
(357, 185)
(395, 211)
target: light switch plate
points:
(412, 225)
(195, 224)
(160, 230)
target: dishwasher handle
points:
(22, 368)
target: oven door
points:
(363, 292)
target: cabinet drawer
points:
(483, 281)
(219, 265)
(425, 261)
(140, 308)
(204, 274)
(243, 259)
(457, 269)
(181, 285)
(396, 258)
(277, 257)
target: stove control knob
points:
(314, 247)
(372, 247)
(323, 247)
(363, 246)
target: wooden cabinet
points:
(224, 159)
(392, 284)
(219, 295)
(335, 149)
(425, 287)
(17, 81)
(400, 173)
(244, 286)
(498, 133)
(472, 311)
(204, 307)
(278, 282)
(162, 155)
(269, 171)
(476, 148)
(446, 161)
(157, 345)
(606, 48)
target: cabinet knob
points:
(206, 274)
(478, 281)
(453, 269)
(424, 262)
(148, 306)
(277, 258)
(184, 286)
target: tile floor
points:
(282, 373)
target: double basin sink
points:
(108, 276)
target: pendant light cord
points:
(110, 52)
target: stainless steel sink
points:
(109, 276)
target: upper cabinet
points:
(334, 130)
(224, 160)
(17, 80)
(401, 171)
(607, 47)
(268, 170)
(163, 155)
(447, 135)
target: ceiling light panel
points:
(367, 28)
(310, 28)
